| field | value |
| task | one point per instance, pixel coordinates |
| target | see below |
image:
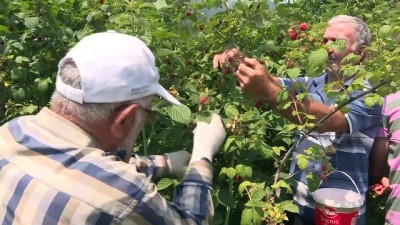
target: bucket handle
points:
(338, 171)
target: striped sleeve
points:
(192, 203)
(153, 165)
(361, 116)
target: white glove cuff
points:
(198, 154)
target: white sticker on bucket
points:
(329, 212)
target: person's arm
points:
(192, 203)
(255, 81)
(378, 164)
(378, 158)
(159, 165)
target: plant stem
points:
(230, 187)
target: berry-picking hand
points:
(253, 77)
(208, 137)
(229, 60)
(177, 162)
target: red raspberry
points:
(294, 35)
(203, 99)
(303, 26)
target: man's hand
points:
(208, 137)
(229, 60)
(253, 77)
(382, 188)
(177, 162)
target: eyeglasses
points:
(149, 111)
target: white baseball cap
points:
(113, 67)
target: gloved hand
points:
(207, 139)
(177, 162)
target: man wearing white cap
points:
(60, 166)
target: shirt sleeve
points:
(192, 203)
(154, 165)
(299, 84)
(361, 116)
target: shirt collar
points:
(64, 128)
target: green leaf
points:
(213, 3)
(244, 171)
(293, 73)
(384, 31)
(159, 4)
(43, 85)
(340, 44)
(91, 15)
(302, 161)
(164, 52)
(250, 216)
(180, 114)
(281, 184)
(164, 183)
(31, 22)
(228, 143)
(19, 94)
(289, 206)
(225, 198)
(372, 100)
(243, 185)
(313, 181)
(230, 172)
(318, 58)
(29, 109)
(160, 33)
(351, 58)
(259, 204)
(231, 111)
(21, 59)
(258, 194)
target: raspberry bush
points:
(251, 181)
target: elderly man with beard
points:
(351, 133)
(60, 166)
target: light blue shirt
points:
(352, 149)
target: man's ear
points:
(122, 122)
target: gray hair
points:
(87, 112)
(363, 33)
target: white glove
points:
(207, 139)
(177, 162)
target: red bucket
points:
(337, 206)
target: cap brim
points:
(160, 91)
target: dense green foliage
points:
(35, 35)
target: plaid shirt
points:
(352, 149)
(53, 172)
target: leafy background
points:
(35, 35)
